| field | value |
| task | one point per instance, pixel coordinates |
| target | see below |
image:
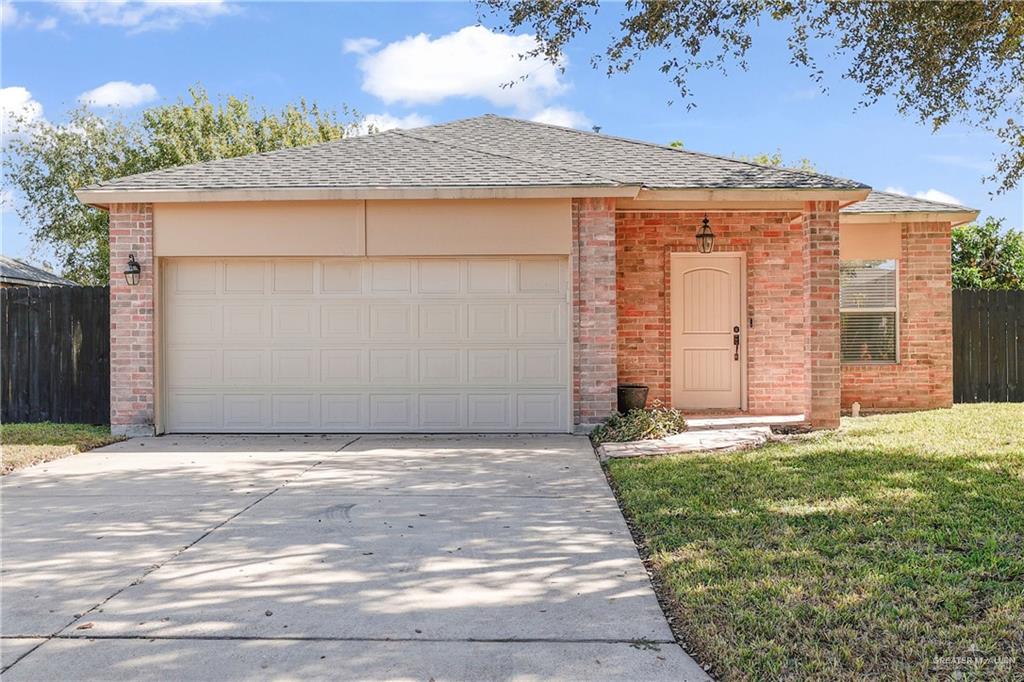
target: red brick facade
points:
(594, 314)
(620, 307)
(820, 221)
(923, 379)
(776, 366)
(132, 369)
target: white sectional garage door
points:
(365, 344)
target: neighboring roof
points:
(483, 152)
(13, 271)
(891, 207)
(889, 202)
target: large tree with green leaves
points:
(987, 257)
(940, 61)
(45, 162)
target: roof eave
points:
(954, 218)
(772, 194)
(104, 197)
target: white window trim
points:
(895, 309)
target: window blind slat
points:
(867, 301)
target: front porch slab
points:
(691, 441)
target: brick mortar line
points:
(155, 567)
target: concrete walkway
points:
(215, 558)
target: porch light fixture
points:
(132, 272)
(705, 237)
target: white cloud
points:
(16, 103)
(381, 122)
(937, 195)
(148, 15)
(9, 14)
(119, 94)
(13, 17)
(927, 195)
(561, 116)
(360, 45)
(471, 62)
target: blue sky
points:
(413, 63)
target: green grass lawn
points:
(890, 548)
(23, 445)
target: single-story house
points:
(498, 275)
(14, 273)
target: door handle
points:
(736, 343)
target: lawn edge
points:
(669, 607)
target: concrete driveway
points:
(288, 557)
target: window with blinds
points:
(868, 314)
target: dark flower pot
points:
(632, 397)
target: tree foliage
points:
(776, 161)
(940, 61)
(987, 257)
(45, 162)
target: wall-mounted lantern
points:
(705, 237)
(132, 272)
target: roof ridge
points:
(645, 143)
(448, 143)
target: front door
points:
(708, 344)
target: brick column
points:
(821, 312)
(132, 406)
(595, 327)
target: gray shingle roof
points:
(628, 162)
(13, 271)
(888, 202)
(486, 151)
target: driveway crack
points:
(157, 566)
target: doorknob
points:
(736, 343)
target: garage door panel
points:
(440, 321)
(344, 411)
(191, 411)
(489, 412)
(356, 344)
(540, 321)
(392, 412)
(341, 277)
(244, 276)
(343, 321)
(440, 366)
(488, 277)
(439, 276)
(539, 366)
(293, 277)
(391, 277)
(539, 411)
(440, 412)
(195, 322)
(490, 321)
(295, 366)
(245, 322)
(246, 367)
(246, 411)
(389, 322)
(295, 411)
(194, 366)
(343, 367)
(294, 320)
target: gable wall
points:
(923, 378)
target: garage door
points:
(363, 344)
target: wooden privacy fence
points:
(55, 354)
(988, 346)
